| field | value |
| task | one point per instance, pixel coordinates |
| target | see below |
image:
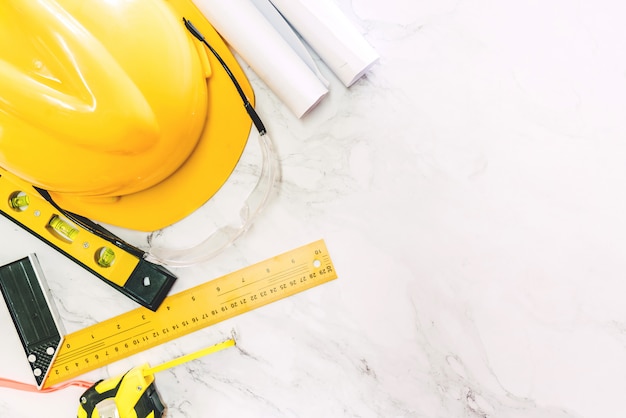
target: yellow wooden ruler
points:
(193, 309)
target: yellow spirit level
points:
(118, 264)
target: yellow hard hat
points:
(116, 110)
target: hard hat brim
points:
(209, 166)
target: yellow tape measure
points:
(193, 309)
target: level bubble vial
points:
(62, 228)
(105, 257)
(19, 201)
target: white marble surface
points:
(471, 192)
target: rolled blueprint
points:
(258, 43)
(286, 31)
(329, 32)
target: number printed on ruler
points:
(204, 305)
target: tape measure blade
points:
(193, 309)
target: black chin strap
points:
(246, 103)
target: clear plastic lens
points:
(222, 237)
(107, 409)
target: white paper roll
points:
(331, 34)
(247, 31)
(285, 30)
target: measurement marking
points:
(235, 298)
(99, 342)
(282, 279)
(281, 276)
(83, 354)
(79, 353)
(268, 278)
